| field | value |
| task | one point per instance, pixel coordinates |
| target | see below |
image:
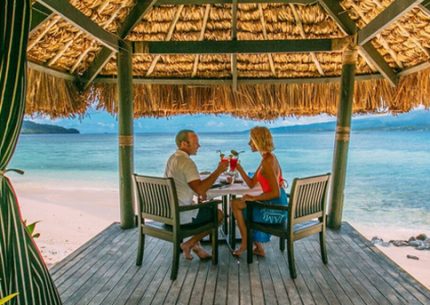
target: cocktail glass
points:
(225, 159)
(233, 164)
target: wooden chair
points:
(306, 216)
(157, 201)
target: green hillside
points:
(35, 128)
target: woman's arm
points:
(250, 182)
(268, 171)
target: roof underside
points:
(77, 41)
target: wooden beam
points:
(52, 22)
(39, 14)
(425, 7)
(50, 71)
(415, 69)
(234, 38)
(96, 66)
(343, 131)
(168, 37)
(266, 37)
(376, 59)
(303, 34)
(136, 14)
(64, 48)
(391, 14)
(238, 46)
(125, 135)
(93, 43)
(368, 51)
(381, 39)
(228, 81)
(201, 37)
(82, 22)
(234, 72)
(406, 32)
(200, 2)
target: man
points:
(184, 172)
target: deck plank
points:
(278, 286)
(233, 285)
(199, 285)
(137, 276)
(103, 271)
(222, 278)
(80, 280)
(83, 250)
(244, 284)
(337, 281)
(75, 260)
(91, 277)
(331, 290)
(402, 281)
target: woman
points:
(269, 176)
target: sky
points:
(96, 121)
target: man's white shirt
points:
(182, 169)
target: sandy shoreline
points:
(71, 215)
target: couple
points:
(184, 171)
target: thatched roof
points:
(391, 70)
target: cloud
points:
(215, 124)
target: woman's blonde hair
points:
(262, 139)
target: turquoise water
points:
(388, 179)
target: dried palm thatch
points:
(267, 102)
(61, 46)
(52, 96)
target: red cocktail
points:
(233, 164)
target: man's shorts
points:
(204, 215)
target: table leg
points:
(232, 231)
(226, 214)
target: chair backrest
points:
(308, 198)
(156, 198)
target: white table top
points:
(233, 189)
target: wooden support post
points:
(343, 128)
(125, 133)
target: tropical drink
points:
(233, 164)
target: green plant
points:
(8, 298)
(30, 229)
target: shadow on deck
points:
(103, 271)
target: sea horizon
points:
(388, 181)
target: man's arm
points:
(202, 186)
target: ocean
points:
(388, 176)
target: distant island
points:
(410, 121)
(30, 127)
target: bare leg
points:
(194, 243)
(238, 206)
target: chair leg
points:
(140, 248)
(282, 244)
(249, 250)
(175, 264)
(323, 247)
(291, 261)
(214, 236)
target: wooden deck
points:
(103, 271)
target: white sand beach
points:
(71, 215)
